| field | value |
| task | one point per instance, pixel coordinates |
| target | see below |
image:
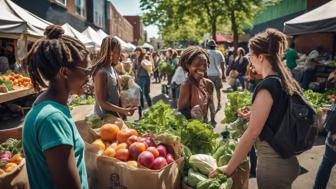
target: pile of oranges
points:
(17, 80)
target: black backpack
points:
(297, 130)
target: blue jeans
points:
(323, 173)
(144, 83)
(241, 80)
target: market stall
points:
(93, 36)
(102, 34)
(72, 32)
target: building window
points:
(99, 12)
(63, 2)
(80, 7)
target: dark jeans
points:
(307, 77)
(253, 161)
(144, 83)
(241, 81)
(323, 173)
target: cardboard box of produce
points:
(113, 164)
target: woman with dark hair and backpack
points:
(270, 101)
(53, 148)
(106, 82)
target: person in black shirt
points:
(269, 105)
(240, 65)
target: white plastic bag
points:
(131, 97)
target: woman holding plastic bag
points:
(106, 82)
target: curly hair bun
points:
(54, 32)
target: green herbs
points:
(236, 101)
(162, 118)
(81, 100)
(199, 137)
(12, 145)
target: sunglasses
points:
(87, 71)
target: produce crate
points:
(18, 178)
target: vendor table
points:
(15, 94)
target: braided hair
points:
(190, 54)
(51, 53)
(273, 43)
(105, 54)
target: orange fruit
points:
(99, 143)
(109, 132)
(114, 145)
(123, 135)
(110, 152)
(9, 167)
(17, 158)
(122, 154)
(121, 146)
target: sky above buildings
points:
(132, 7)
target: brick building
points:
(118, 25)
(78, 13)
(138, 29)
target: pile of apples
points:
(126, 145)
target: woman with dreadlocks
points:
(106, 80)
(270, 101)
(197, 92)
(53, 148)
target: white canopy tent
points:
(131, 46)
(147, 46)
(93, 35)
(124, 45)
(15, 21)
(72, 32)
(102, 34)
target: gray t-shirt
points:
(216, 58)
(112, 87)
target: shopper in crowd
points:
(216, 70)
(156, 61)
(54, 150)
(142, 78)
(240, 65)
(196, 93)
(309, 69)
(269, 105)
(328, 160)
(229, 59)
(178, 79)
(106, 84)
(171, 58)
(290, 56)
(4, 65)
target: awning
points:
(93, 35)
(224, 38)
(16, 20)
(147, 46)
(321, 19)
(102, 34)
(72, 32)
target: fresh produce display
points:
(138, 151)
(17, 79)
(319, 99)
(81, 100)
(10, 155)
(200, 165)
(93, 121)
(236, 101)
(162, 118)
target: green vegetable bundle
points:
(166, 68)
(236, 101)
(12, 145)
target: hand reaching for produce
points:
(128, 111)
(222, 169)
(245, 113)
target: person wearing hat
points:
(216, 68)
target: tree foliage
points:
(191, 19)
